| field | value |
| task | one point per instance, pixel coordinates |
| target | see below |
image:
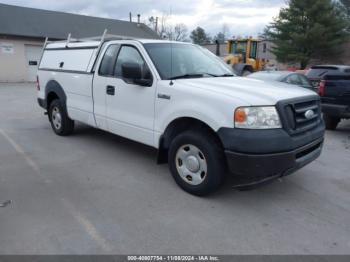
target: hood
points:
(250, 91)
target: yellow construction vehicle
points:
(243, 56)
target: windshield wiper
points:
(224, 75)
(186, 76)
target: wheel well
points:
(50, 97)
(176, 127)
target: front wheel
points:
(197, 162)
(61, 124)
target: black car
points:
(283, 76)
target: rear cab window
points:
(108, 61)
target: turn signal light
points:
(240, 115)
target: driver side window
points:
(129, 54)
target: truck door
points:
(103, 74)
(130, 107)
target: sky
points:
(241, 17)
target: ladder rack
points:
(96, 42)
(101, 39)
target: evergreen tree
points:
(199, 36)
(307, 30)
(346, 4)
(345, 7)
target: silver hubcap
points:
(191, 164)
(56, 118)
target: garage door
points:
(33, 54)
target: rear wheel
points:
(61, 124)
(331, 122)
(197, 163)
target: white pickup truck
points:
(184, 101)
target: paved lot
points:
(94, 193)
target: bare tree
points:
(166, 30)
(180, 32)
(151, 22)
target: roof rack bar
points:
(44, 47)
(104, 35)
(68, 39)
(100, 47)
(102, 40)
(99, 40)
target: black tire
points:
(213, 155)
(67, 125)
(331, 122)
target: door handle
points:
(110, 90)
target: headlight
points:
(265, 117)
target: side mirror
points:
(132, 73)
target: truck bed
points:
(335, 96)
(337, 90)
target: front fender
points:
(212, 116)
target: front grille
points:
(299, 116)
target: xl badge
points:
(309, 114)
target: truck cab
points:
(182, 100)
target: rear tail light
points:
(322, 87)
(37, 83)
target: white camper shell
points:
(74, 57)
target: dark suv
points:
(333, 82)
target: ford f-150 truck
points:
(184, 101)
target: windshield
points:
(188, 61)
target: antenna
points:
(171, 47)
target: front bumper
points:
(258, 168)
(341, 111)
(256, 156)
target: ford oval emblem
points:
(309, 114)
